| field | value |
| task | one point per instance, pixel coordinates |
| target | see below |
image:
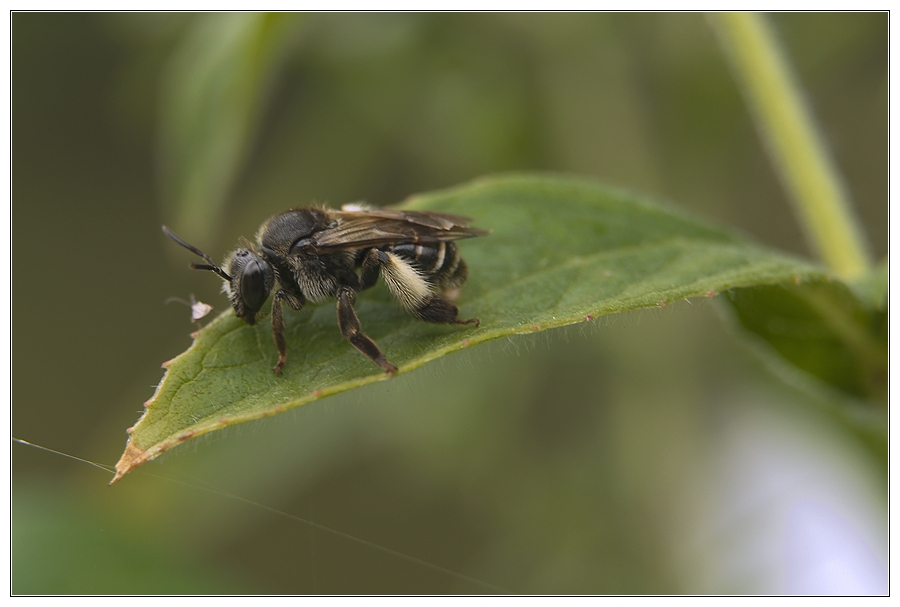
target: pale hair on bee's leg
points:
(414, 292)
(403, 281)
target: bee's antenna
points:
(194, 266)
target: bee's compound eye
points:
(253, 285)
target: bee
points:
(317, 254)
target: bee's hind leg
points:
(414, 293)
(351, 329)
(438, 310)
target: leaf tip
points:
(131, 459)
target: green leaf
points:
(823, 329)
(562, 251)
(873, 288)
(214, 91)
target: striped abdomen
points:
(440, 263)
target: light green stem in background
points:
(786, 125)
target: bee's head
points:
(250, 283)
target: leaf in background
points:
(823, 329)
(214, 91)
(62, 543)
(562, 251)
(873, 288)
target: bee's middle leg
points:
(352, 330)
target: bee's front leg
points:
(351, 329)
(278, 325)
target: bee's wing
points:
(373, 228)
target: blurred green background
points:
(652, 452)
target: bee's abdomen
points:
(439, 263)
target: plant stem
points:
(798, 151)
